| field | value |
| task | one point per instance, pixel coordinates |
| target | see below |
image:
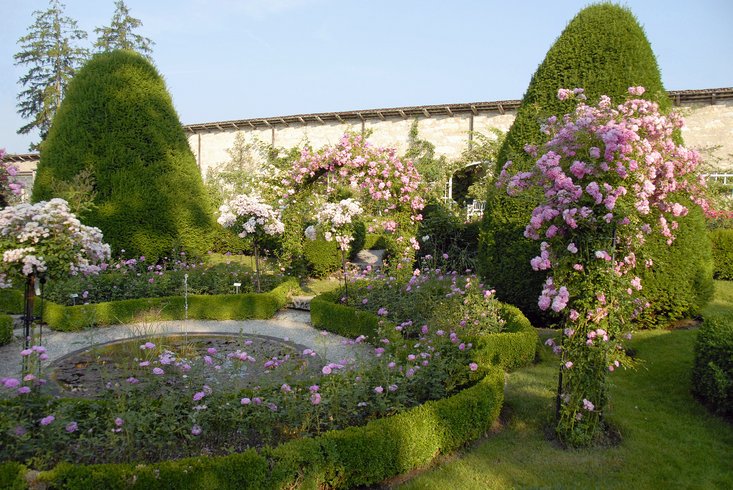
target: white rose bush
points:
(252, 219)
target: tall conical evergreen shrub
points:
(117, 120)
(603, 50)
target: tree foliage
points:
(118, 121)
(605, 51)
(52, 54)
(120, 33)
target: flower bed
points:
(204, 307)
(394, 381)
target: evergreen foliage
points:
(605, 51)
(722, 242)
(118, 121)
(52, 55)
(119, 34)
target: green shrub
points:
(603, 50)
(323, 258)
(374, 241)
(6, 329)
(444, 234)
(205, 307)
(11, 301)
(11, 476)
(712, 373)
(722, 243)
(343, 320)
(680, 281)
(117, 122)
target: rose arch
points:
(387, 187)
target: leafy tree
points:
(603, 50)
(119, 34)
(52, 55)
(434, 170)
(118, 121)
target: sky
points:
(238, 59)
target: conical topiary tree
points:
(605, 51)
(117, 123)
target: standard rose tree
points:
(46, 240)
(253, 219)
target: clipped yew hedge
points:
(6, 329)
(722, 243)
(345, 458)
(712, 373)
(204, 307)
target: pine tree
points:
(51, 52)
(119, 34)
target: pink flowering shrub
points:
(336, 221)
(387, 188)
(610, 176)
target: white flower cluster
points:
(336, 219)
(46, 236)
(252, 215)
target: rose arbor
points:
(253, 219)
(387, 187)
(46, 240)
(610, 177)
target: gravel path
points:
(291, 325)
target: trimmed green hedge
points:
(11, 476)
(6, 329)
(337, 459)
(11, 301)
(322, 257)
(722, 243)
(204, 307)
(712, 373)
(512, 348)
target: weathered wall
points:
(708, 126)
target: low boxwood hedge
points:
(722, 245)
(712, 373)
(204, 307)
(512, 348)
(337, 459)
(6, 329)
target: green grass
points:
(668, 439)
(319, 286)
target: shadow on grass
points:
(668, 439)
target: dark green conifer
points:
(117, 122)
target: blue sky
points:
(233, 59)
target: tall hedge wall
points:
(603, 50)
(117, 120)
(722, 243)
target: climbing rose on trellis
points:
(610, 177)
(389, 188)
(47, 237)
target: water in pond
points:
(221, 360)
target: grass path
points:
(668, 439)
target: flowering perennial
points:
(611, 176)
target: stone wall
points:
(709, 127)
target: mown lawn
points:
(668, 440)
